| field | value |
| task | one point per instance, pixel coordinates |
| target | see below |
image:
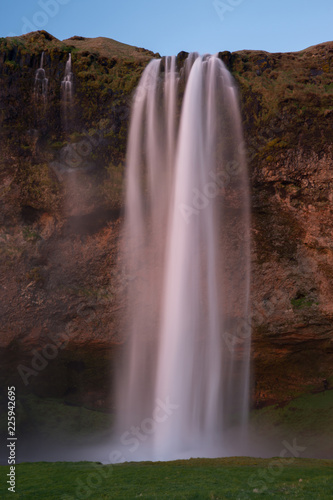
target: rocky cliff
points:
(61, 214)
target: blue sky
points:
(169, 26)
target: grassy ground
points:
(308, 418)
(306, 421)
(234, 478)
(46, 417)
(108, 47)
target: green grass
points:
(302, 302)
(234, 478)
(47, 417)
(308, 418)
(106, 47)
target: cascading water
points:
(41, 82)
(183, 387)
(67, 91)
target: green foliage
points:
(234, 478)
(302, 302)
(292, 91)
(38, 187)
(307, 418)
(11, 65)
(29, 234)
(35, 275)
(52, 416)
(57, 145)
(106, 73)
(112, 188)
(329, 87)
(99, 294)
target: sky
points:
(169, 26)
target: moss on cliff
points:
(39, 188)
(106, 73)
(286, 97)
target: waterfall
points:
(67, 91)
(183, 384)
(41, 82)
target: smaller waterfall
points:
(41, 82)
(67, 90)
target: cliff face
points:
(292, 273)
(60, 224)
(287, 104)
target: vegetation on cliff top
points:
(286, 98)
(106, 74)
